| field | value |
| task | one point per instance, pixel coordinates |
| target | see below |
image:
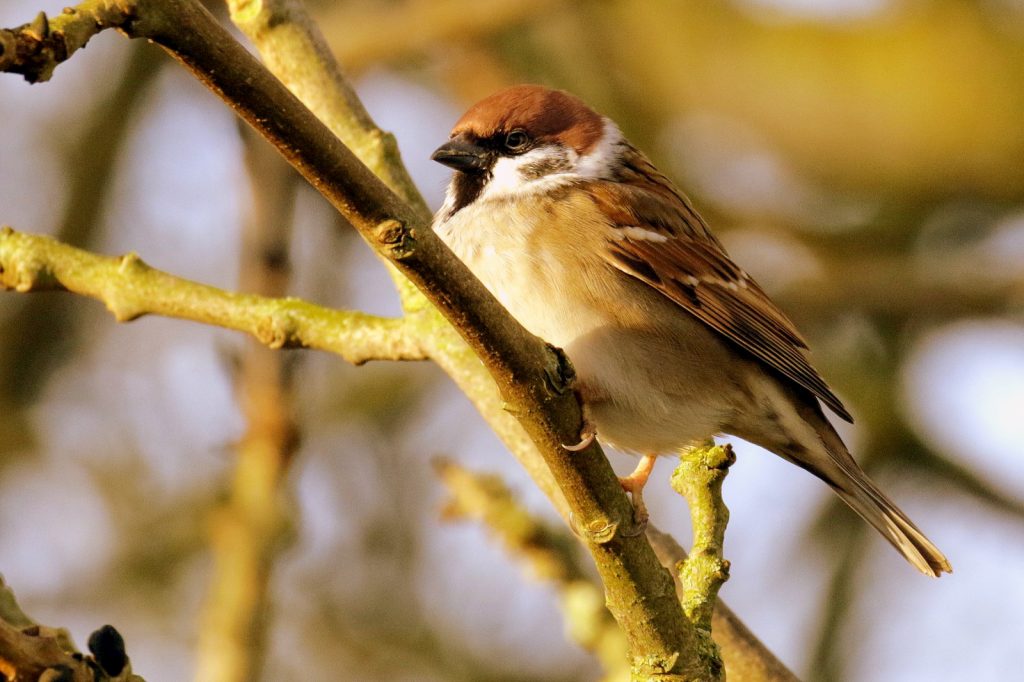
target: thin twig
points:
(130, 289)
(699, 478)
(746, 657)
(549, 553)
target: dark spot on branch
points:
(107, 647)
(561, 376)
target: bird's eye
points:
(516, 141)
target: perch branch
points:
(534, 380)
(285, 37)
(746, 657)
(548, 553)
(699, 478)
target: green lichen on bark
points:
(699, 479)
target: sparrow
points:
(594, 250)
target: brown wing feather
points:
(692, 269)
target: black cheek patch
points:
(555, 163)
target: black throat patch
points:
(466, 187)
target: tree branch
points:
(699, 478)
(248, 529)
(746, 657)
(35, 49)
(547, 552)
(29, 651)
(534, 381)
(130, 289)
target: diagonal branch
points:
(292, 47)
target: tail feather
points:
(834, 464)
(873, 506)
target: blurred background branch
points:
(249, 529)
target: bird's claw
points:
(587, 436)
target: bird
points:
(593, 249)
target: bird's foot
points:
(587, 436)
(634, 485)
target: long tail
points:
(846, 477)
(858, 491)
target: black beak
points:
(462, 155)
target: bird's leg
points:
(634, 485)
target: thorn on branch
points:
(40, 27)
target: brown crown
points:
(544, 114)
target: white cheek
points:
(508, 179)
(596, 162)
(505, 176)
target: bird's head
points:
(525, 139)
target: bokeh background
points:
(864, 159)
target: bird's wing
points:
(658, 238)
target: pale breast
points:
(533, 257)
(639, 358)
